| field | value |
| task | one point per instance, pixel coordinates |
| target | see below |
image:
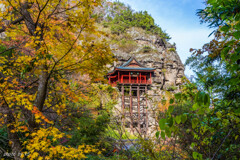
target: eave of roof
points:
(124, 68)
(131, 69)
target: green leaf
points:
(184, 118)
(225, 122)
(206, 99)
(211, 1)
(170, 121)
(195, 106)
(201, 111)
(157, 134)
(219, 114)
(170, 109)
(178, 119)
(195, 155)
(171, 101)
(193, 144)
(237, 111)
(236, 137)
(168, 132)
(201, 97)
(177, 96)
(236, 34)
(174, 128)
(199, 156)
(225, 28)
(195, 122)
(162, 124)
(196, 97)
(163, 135)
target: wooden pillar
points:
(138, 102)
(131, 115)
(150, 78)
(129, 77)
(146, 111)
(123, 102)
(118, 76)
(140, 77)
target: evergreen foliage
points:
(121, 17)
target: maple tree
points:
(47, 44)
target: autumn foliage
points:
(50, 54)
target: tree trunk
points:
(42, 89)
(12, 135)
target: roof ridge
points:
(130, 60)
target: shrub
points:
(127, 45)
(171, 88)
(146, 49)
(171, 49)
(90, 128)
(117, 29)
(105, 24)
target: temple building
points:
(133, 81)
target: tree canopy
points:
(46, 46)
(121, 17)
(54, 103)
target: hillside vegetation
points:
(55, 102)
(119, 18)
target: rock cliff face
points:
(154, 52)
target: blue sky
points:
(178, 18)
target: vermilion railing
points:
(127, 79)
(134, 81)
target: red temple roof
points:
(132, 65)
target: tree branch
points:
(3, 29)
(40, 11)
(221, 144)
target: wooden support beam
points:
(140, 77)
(150, 78)
(129, 78)
(131, 115)
(138, 100)
(123, 105)
(146, 111)
(118, 76)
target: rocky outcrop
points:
(154, 52)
